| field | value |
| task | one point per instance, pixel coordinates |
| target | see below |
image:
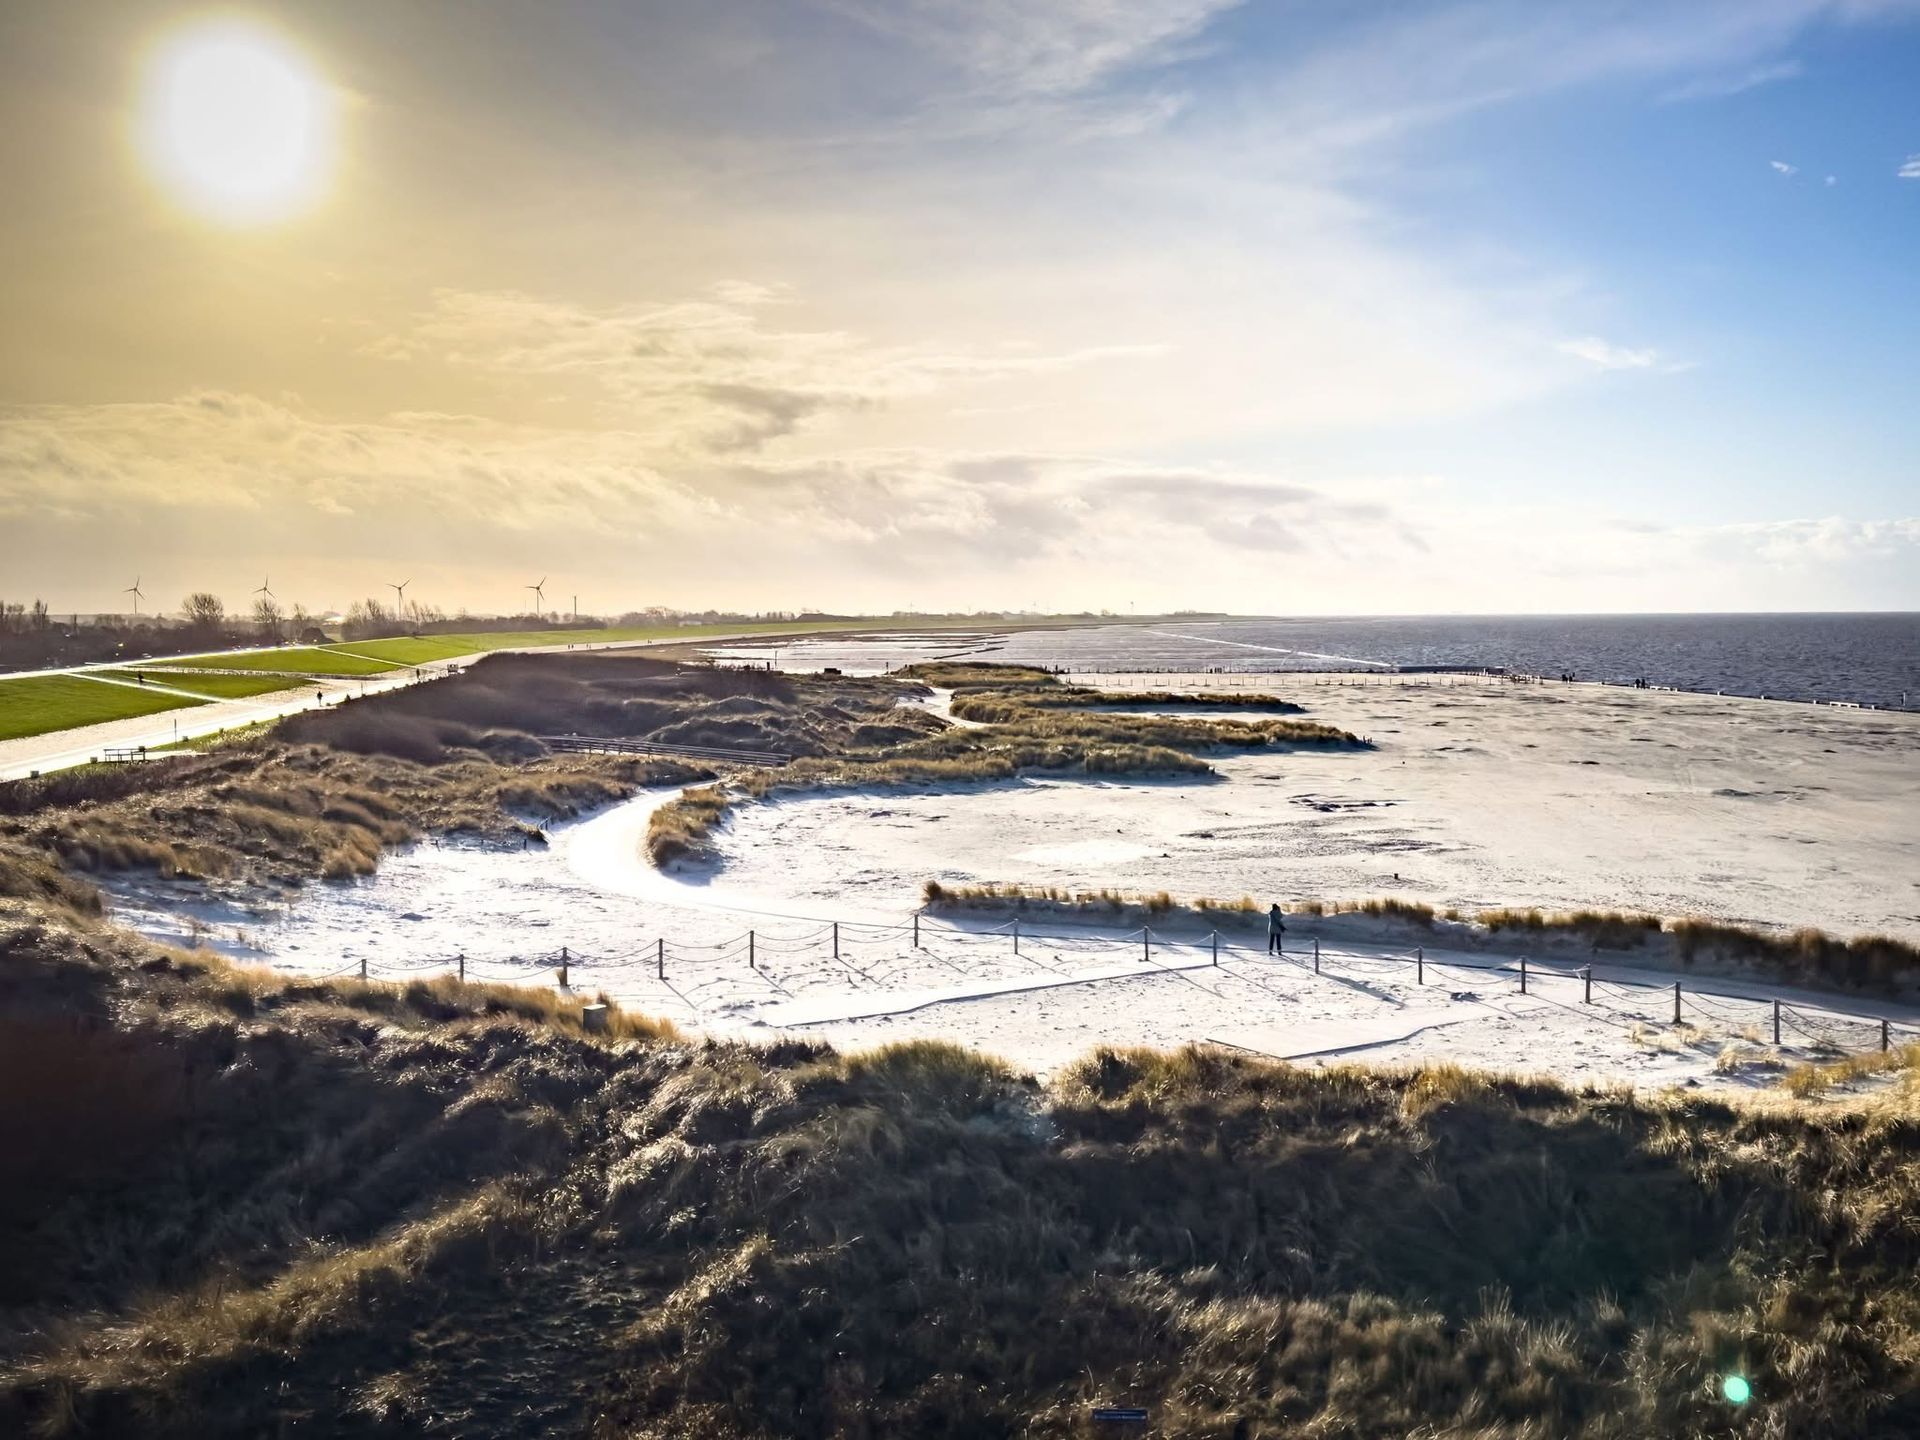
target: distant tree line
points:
(32, 637)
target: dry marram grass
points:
(437, 1206)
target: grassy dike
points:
(246, 1203)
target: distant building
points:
(313, 635)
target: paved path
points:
(63, 749)
(145, 685)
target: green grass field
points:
(373, 657)
(41, 704)
(214, 687)
(447, 647)
(405, 650)
(294, 659)
(376, 657)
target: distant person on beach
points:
(1276, 927)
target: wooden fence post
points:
(1523, 974)
(750, 964)
(463, 967)
(1776, 1022)
(1676, 1002)
(916, 929)
(1016, 934)
(1886, 1037)
(836, 939)
(563, 967)
(660, 959)
(1216, 948)
(1586, 980)
(1419, 964)
(363, 967)
(1146, 943)
(1316, 954)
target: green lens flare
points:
(1736, 1389)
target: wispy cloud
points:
(1783, 168)
(1413, 67)
(1060, 47)
(1720, 86)
(1910, 168)
(1604, 355)
(704, 375)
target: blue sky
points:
(1275, 307)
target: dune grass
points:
(213, 687)
(1027, 739)
(682, 829)
(1816, 1078)
(262, 811)
(996, 706)
(938, 896)
(28, 876)
(1008, 694)
(1810, 957)
(43, 704)
(618, 696)
(961, 675)
(1871, 961)
(1175, 731)
(412, 1207)
(1605, 929)
(1245, 908)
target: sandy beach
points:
(1477, 794)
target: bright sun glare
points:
(235, 123)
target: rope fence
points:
(941, 961)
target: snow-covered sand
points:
(1478, 794)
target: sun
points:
(235, 123)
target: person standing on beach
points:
(1276, 927)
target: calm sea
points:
(1873, 659)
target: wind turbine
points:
(399, 595)
(137, 593)
(539, 594)
(266, 588)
